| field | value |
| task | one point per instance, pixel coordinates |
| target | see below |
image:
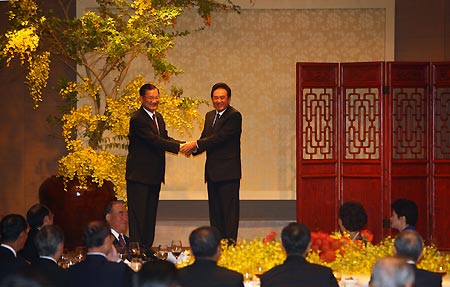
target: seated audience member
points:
(404, 214)
(102, 266)
(38, 216)
(295, 270)
(116, 214)
(392, 272)
(50, 246)
(14, 233)
(204, 272)
(409, 245)
(157, 273)
(352, 218)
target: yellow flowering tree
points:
(103, 44)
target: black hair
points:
(204, 241)
(221, 86)
(407, 208)
(147, 87)
(95, 233)
(12, 225)
(353, 215)
(295, 238)
(36, 214)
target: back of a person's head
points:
(408, 244)
(156, 274)
(95, 233)
(36, 214)
(392, 272)
(295, 238)
(12, 225)
(353, 215)
(407, 208)
(204, 241)
(28, 277)
(48, 239)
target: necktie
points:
(155, 122)
(216, 119)
(122, 242)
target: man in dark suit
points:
(116, 214)
(102, 266)
(409, 245)
(50, 246)
(146, 162)
(14, 234)
(204, 272)
(38, 216)
(221, 139)
(295, 270)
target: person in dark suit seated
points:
(116, 214)
(404, 214)
(352, 218)
(204, 272)
(295, 270)
(102, 266)
(14, 234)
(50, 246)
(391, 272)
(409, 245)
(157, 274)
(38, 216)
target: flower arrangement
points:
(103, 44)
(358, 257)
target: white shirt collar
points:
(221, 113)
(149, 113)
(10, 248)
(96, 253)
(115, 233)
(49, 258)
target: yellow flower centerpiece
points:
(100, 46)
(254, 257)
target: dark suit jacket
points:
(29, 251)
(146, 160)
(222, 144)
(96, 271)
(426, 278)
(53, 274)
(9, 264)
(206, 273)
(296, 271)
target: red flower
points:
(367, 235)
(270, 237)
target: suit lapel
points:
(148, 118)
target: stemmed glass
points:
(176, 248)
(80, 253)
(162, 252)
(134, 249)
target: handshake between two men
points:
(188, 148)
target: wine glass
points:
(176, 248)
(134, 249)
(162, 252)
(80, 253)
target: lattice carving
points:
(442, 124)
(318, 119)
(362, 123)
(409, 124)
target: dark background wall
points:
(30, 148)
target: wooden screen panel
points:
(317, 145)
(361, 139)
(410, 134)
(441, 154)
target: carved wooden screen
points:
(355, 142)
(410, 136)
(361, 139)
(317, 164)
(441, 154)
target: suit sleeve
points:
(232, 127)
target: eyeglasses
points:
(151, 98)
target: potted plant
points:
(101, 46)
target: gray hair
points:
(392, 272)
(409, 245)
